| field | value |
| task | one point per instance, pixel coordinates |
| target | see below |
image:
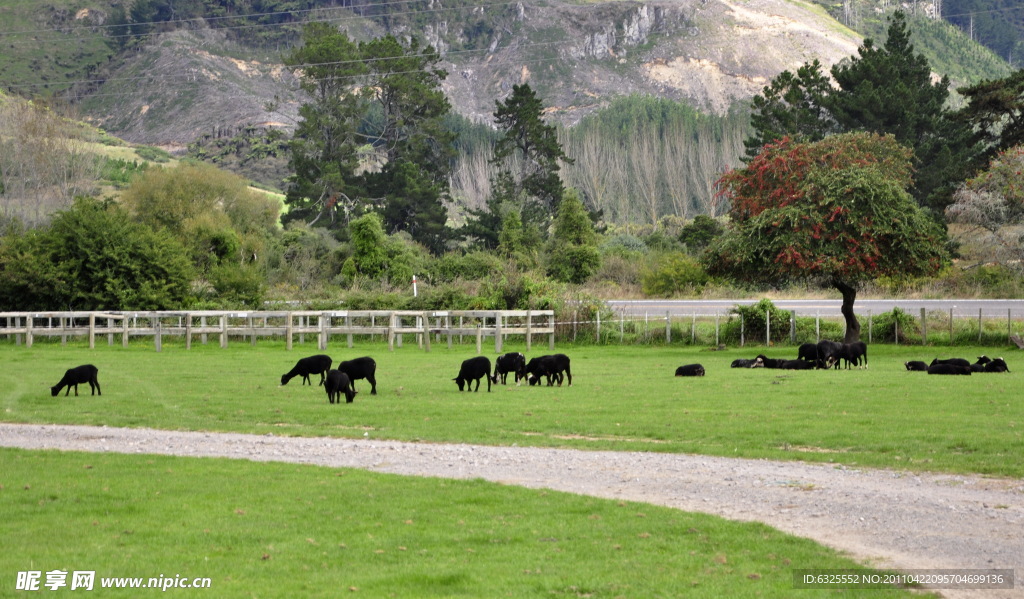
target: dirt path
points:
(883, 518)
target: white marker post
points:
(414, 285)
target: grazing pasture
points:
(622, 398)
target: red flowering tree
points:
(834, 212)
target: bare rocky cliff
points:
(708, 53)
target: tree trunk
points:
(849, 295)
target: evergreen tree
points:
(889, 90)
(995, 110)
(533, 145)
(572, 255)
(794, 105)
(380, 95)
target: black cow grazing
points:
(997, 365)
(807, 351)
(690, 370)
(318, 364)
(513, 362)
(916, 366)
(474, 369)
(551, 367)
(361, 368)
(770, 362)
(851, 353)
(952, 361)
(85, 373)
(741, 363)
(336, 383)
(828, 353)
(949, 369)
(797, 365)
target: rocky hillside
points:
(708, 53)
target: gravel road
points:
(883, 518)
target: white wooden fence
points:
(392, 325)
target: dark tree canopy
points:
(885, 89)
(372, 137)
(995, 110)
(834, 212)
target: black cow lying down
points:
(916, 366)
(474, 369)
(949, 369)
(690, 370)
(741, 363)
(550, 367)
(797, 365)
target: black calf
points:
(336, 383)
(916, 366)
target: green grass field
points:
(279, 530)
(282, 530)
(622, 398)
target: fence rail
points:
(934, 327)
(224, 325)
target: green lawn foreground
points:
(622, 398)
(282, 530)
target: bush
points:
(702, 231)
(673, 274)
(471, 266)
(754, 320)
(895, 326)
(238, 285)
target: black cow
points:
(851, 353)
(741, 363)
(690, 370)
(550, 367)
(85, 373)
(997, 365)
(770, 362)
(474, 369)
(828, 353)
(949, 369)
(319, 364)
(807, 351)
(916, 366)
(513, 362)
(361, 368)
(336, 383)
(797, 365)
(952, 361)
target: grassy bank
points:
(283, 530)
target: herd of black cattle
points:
(554, 368)
(831, 354)
(341, 379)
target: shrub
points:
(895, 326)
(754, 320)
(673, 274)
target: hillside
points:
(181, 79)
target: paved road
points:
(991, 308)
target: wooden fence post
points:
(426, 330)
(92, 331)
(223, 330)
(529, 328)
(924, 327)
(188, 331)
